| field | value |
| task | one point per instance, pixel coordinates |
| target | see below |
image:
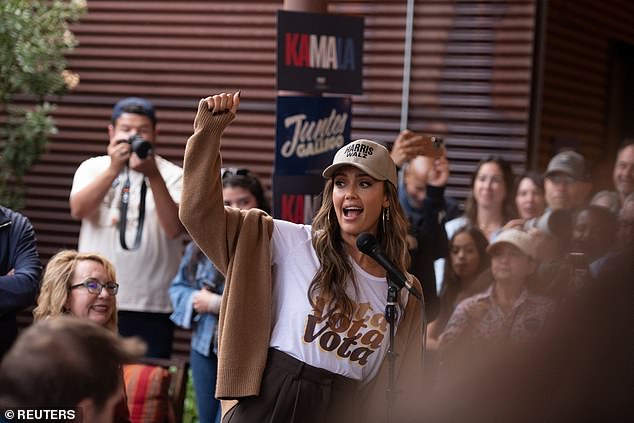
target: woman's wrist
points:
(213, 305)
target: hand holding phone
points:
(409, 145)
(432, 146)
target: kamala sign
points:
(319, 53)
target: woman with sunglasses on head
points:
(196, 292)
(82, 285)
(302, 331)
(241, 189)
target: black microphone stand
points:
(391, 315)
(368, 245)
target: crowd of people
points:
(288, 320)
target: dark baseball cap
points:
(136, 105)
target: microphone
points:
(368, 245)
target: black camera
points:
(141, 147)
(553, 222)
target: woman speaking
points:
(302, 331)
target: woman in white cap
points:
(302, 331)
(507, 312)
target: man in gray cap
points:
(566, 181)
(128, 201)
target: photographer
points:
(567, 182)
(128, 204)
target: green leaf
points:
(34, 38)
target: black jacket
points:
(18, 255)
(427, 228)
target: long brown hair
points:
(452, 284)
(508, 205)
(335, 267)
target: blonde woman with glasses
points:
(83, 285)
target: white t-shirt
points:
(439, 264)
(354, 349)
(144, 275)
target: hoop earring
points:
(385, 217)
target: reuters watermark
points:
(40, 415)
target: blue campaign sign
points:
(309, 131)
(319, 52)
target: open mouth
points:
(352, 212)
(101, 308)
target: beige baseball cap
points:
(369, 156)
(520, 239)
(570, 163)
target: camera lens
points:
(140, 147)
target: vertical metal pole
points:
(539, 45)
(407, 63)
(391, 316)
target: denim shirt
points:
(182, 290)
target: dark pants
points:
(156, 329)
(293, 391)
(8, 332)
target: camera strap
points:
(123, 209)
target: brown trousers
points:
(293, 391)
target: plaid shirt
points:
(480, 320)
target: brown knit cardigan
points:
(238, 243)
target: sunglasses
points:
(94, 286)
(226, 172)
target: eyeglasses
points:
(94, 286)
(226, 172)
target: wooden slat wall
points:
(471, 77)
(471, 70)
(173, 53)
(576, 74)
